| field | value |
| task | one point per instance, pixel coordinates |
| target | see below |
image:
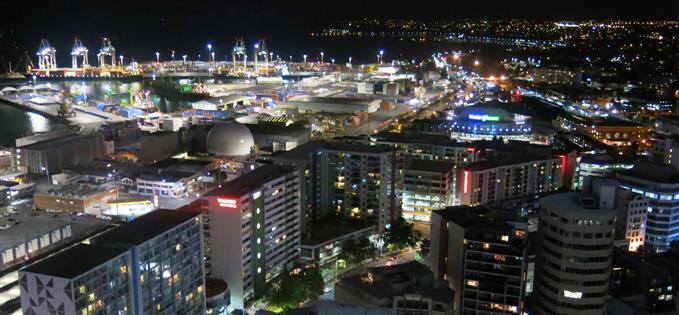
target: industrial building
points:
(56, 154)
(319, 104)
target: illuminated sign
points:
(466, 181)
(484, 117)
(227, 203)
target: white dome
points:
(230, 139)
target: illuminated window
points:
(505, 238)
(572, 295)
(473, 283)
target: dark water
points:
(15, 123)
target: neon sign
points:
(227, 203)
(466, 181)
(484, 117)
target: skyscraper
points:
(573, 263)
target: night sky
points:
(140, 28)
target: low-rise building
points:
(408, 288)
(76, 198)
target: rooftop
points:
(440, 166)
(434, 139)
(169, 176)
(303, 151)
(478, 217)
(144, 227)
(75, 260)
(487, 164)
(333, 100)
(654, 172)
(397, 280)
(251, 181)
(57, 142)
(76, 190)
(321, 232)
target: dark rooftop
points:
(75, 261)
(277, 129)
(57, 142)
(425, 138)
(170, 176)
(655, 172)
(441, 166)
(486, 164)
(144, 227)
(304, 150)
(478, 217)
(251, 181)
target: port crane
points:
(261, 50)
(79, 50)
(107, 49)
(47, 58)
(239, 53)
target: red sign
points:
(227, 202)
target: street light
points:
(349, 60)
(157, 57)
(184, 57)
(322, 57)
(304, 59)
(213, 56)
(122, 64)
(381, 55)
(333, 61)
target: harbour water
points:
(16, 123)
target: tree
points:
(425, 243)
(355, 251)
(290, 289)
(401, 235)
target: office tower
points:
(573, 263)
(483, 254)
(254, 230)
(660, 184)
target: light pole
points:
(122, 64)
(172, 56)
(213, 56)
(209, 50)
(349, 60)
(378, 58)
(381, 56)
(184, 57)
(157, 57)
(333, 61)
(322, 57)
(302, 56)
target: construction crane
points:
(239, 53)
(47, 55)
(107, 49)
(79, 50)
(261, 50)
